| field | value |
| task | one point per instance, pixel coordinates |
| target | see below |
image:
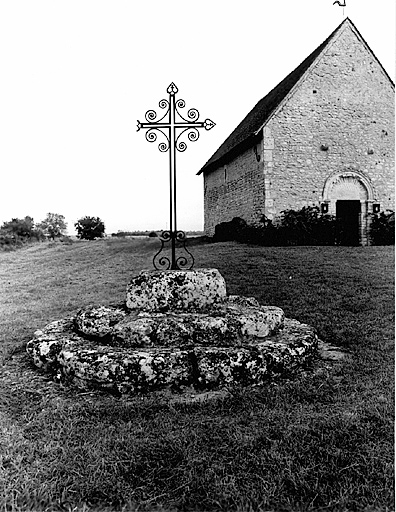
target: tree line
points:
(53, 227)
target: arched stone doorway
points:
(349, 196)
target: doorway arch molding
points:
(346, 181)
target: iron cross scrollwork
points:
(169, 126)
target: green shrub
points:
(382, 231)
(16, 232)
(7, 242)
(18, 228)
(89, 228)
(307, 227)
(53, 226)
(294, 227)
(233, 230)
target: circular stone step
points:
(238, 321)
(90, 365)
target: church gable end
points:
(338, 119)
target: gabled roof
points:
(248, 132)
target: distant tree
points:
(22, 228)
(90, 228)
(53, 225)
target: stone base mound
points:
(177, 329)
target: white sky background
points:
(77, 74)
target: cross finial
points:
(172, 89)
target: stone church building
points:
(324, 136)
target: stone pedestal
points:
(176, 329)
(183, 290)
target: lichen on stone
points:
(97, 321)
(176, 289)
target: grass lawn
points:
(320, 441)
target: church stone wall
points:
(339, 119)
(234, 190)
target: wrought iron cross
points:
(167, 125)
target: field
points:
(320, 441)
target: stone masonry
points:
(237, 189)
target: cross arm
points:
(207, 124)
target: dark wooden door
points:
(348, 213)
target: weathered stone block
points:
(283, 353)
(252, 322)
(48, 342)
(98, 320)
(219, 366)
(232, 325)
(126, 371)
(167, 290)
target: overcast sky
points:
(77, 74)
